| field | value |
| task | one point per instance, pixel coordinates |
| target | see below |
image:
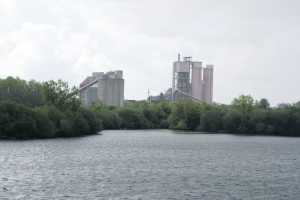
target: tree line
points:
(243, 116)
(44, 110)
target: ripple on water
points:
(151, 165)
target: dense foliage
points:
(243, 116)
(50, 109)
(43, 110)
(136, 115)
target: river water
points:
(156, 164)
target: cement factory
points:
(107, 88)
(190, 81)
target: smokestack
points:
(178, 57)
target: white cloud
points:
(7, 7)
(249, 43)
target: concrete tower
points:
(208, 83)
(107, 88)
(197, 83)
(111, 89)
(181, 78)
(192, 81)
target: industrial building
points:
(190, 80)
(107, 88)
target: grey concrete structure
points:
(197, 83)
(89, 95)
(192, 81)
(107, 88)
(166, 96)
(208, 84)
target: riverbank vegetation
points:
(52, 109)
(243, 116)
(43, 110)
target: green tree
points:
(185, 114)
(59, 94)
(132, 119)
(211, 119)
(232, 121)
(177, 116)
(245, 105)
(258, 121)
(109, 118)
(21, 122)
(20, 91)
(263, 104)
(192, 115)
(95, 124)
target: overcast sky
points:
(254, 44)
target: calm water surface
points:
(151, 165)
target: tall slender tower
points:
(208, 83)
(197, 82)
(181, 78)
(192, 81)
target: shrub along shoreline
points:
(22, 122)
(244, 116)
(43, 110)
(30, 109)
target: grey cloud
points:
(253, 44)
